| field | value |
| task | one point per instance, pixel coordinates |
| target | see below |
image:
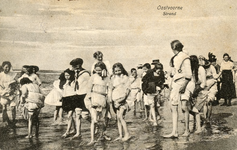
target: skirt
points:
(72, 102)
(54, 98)
(228, 86)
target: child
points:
(7, 92)
(54, 98)
(97, 96)
(68, 99)
(119, 90)
(199, 78)
(135, 95)
(145, 68)
(150, 88)
(34, 100)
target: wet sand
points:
(219, 135)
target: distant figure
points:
(228, 80)
(33, 100)
(134, 98)
(212, 59)
(99, 57)
(35, 69)
(139, 70)
(27, 72)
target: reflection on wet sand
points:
(144, 136)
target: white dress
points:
(55, 95)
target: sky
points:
(50, 33)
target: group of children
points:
(85, 94)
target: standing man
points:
(182, 74)
(81, 78)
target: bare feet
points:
(126, 138)
(72, 132)
(118, 138)
(185, 134)
(172, 135)
(91, 143)
(28, 136)
(198, 131)
(76, 136)
(144, 119)
(65, 135)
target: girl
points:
(119, 91)
(7, 77)
(199, 78)
(68, 99)
(97, 96)
(54, 98)
(210, 88)
(34, 100)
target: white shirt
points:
(186, 71)
(82, 82)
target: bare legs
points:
(174, 133)
(122, 125)
(69, 125)
(184, 105)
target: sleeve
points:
(186, 68)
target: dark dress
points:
(228, 86)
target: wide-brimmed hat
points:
(35, 67)
(76, 61)
(211, 57)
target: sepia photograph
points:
(118, 75)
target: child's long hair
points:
(103, 68)
(63, 79)
(194, 66)
(119, 65)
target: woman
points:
(227, 87)
(8, 91)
